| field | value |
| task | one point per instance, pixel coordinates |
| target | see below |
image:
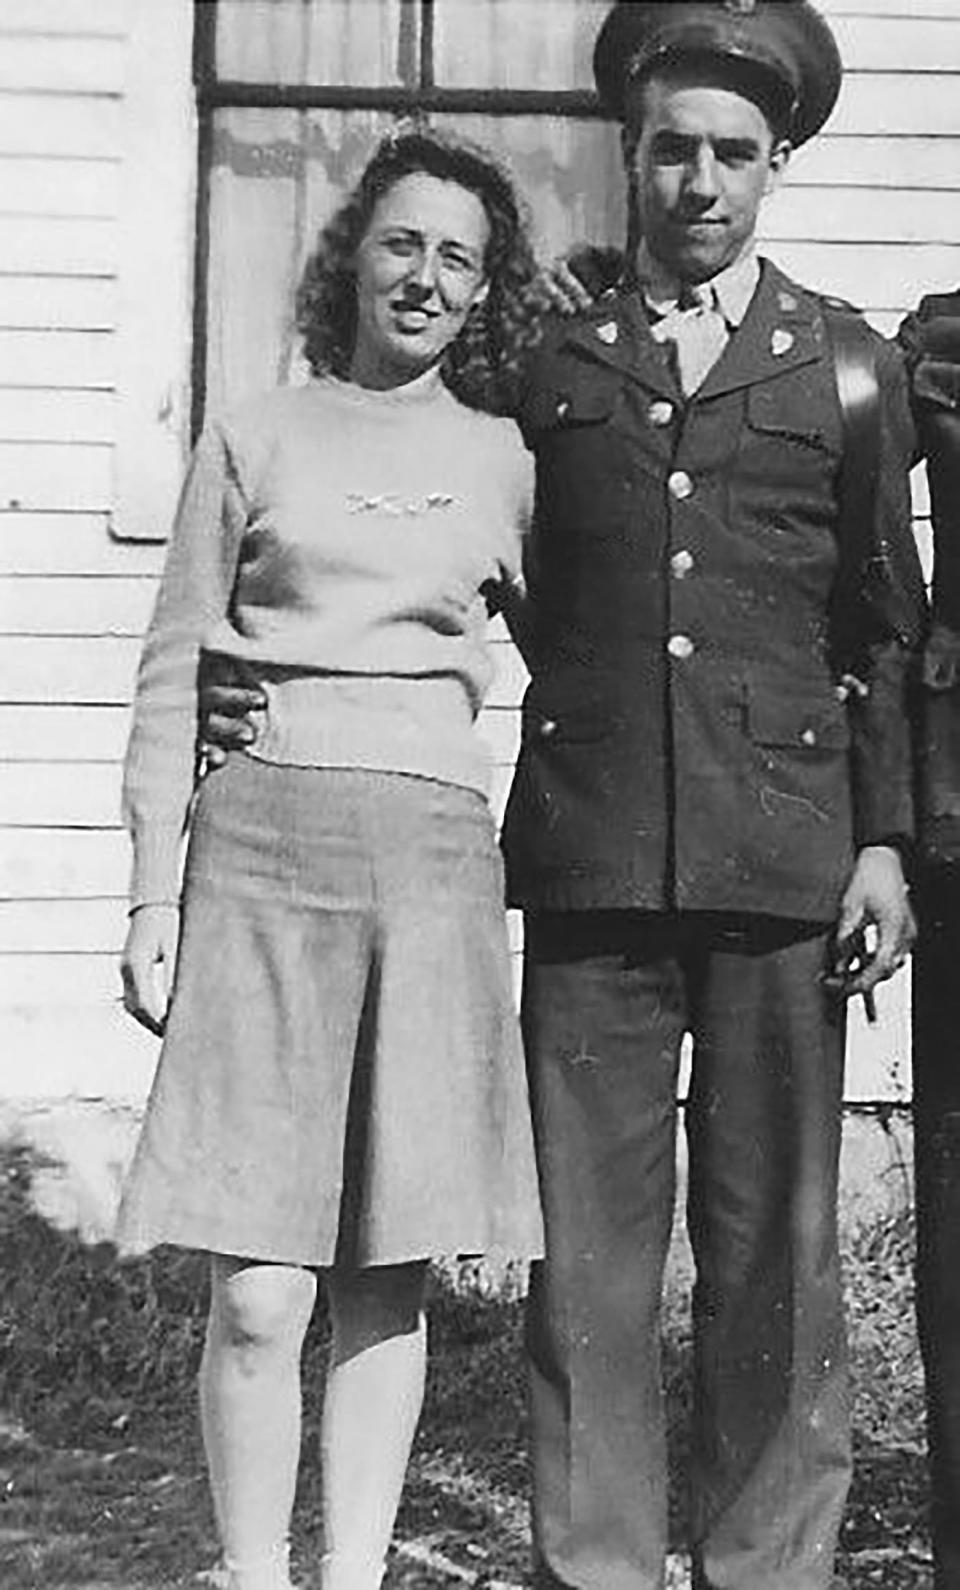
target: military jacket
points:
(686, 742)
(931, 341)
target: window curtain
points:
(277, 174)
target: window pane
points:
(516, 43)
(363, 42)
(570, 173)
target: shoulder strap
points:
(870, 573)
(858, 389)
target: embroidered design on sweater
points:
(391, 503)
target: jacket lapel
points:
(780, 331)
(615, 333)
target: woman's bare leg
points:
(374, 1394)
(250, 1411)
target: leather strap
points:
(868, 566)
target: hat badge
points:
(743, 7)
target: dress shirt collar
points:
(729, 292)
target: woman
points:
(341, 1084)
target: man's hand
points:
(571, 285)
(560, 289)
(876, 897)
(226, 709)
(148, 964)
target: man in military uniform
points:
(931, 341)
(713, 789)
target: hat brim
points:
(814, 81)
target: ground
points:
(101, 1473)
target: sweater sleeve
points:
(194, 593)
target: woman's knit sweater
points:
(334, 540)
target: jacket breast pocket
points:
(791, 414)
(795, 724)
(562, 409)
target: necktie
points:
(698, 332)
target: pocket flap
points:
(779, 409)
(559, 409)
(796, 721)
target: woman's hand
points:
(148, 963)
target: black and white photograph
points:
(480, 794)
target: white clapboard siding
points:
(872, 275)
(42, 124)
(71, 187)
(56, 1042)
(81, 18)
(63, 65)
(58, 303)
(29, 927)
(71, 605)
(927, 104)
(77, 359)
(499, 728)
(64, 245)
(37, 475)
(42, 414)
(65, 733)
(63, 864)
(876, 162)
(69, 543)
(883, 44)
(862, 215)
(909, 11)
(93, 670)
(48, 980)
(59, 795)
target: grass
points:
(101, 1473)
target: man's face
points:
(704, 160)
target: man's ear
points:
(778, 163)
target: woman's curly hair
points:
(482, 366)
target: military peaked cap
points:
(785, 42)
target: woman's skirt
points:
(341, 1079)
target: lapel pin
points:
(781, 342)
(608, 332)
(787, 303)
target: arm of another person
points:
(159, 772)
(930, 339)
(880, 716)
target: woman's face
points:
(420, 271)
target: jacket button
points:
(680, 485)
(681, 563)
(660, 413)
(548, 728)
(809, 736)
(680, 646)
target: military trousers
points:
(936, 1112)
(607, 999)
